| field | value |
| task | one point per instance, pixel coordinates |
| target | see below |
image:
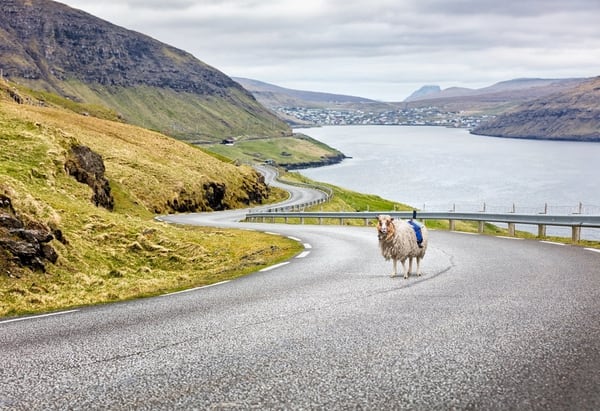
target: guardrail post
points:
(451, 225)
(541, 230)
(511, 229)
(575, 233)
(481, 226)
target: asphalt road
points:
(494, 323)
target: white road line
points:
(307, 246)
(510, 238)
(295, 239)
(33, 317)
(596, 250)
(303, 254)
(272, 233)
(274, 267)
(551, 242)
(195, 288)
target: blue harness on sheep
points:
(418, 233)
(417, 229)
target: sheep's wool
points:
(403, 243)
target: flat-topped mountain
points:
(47, 45)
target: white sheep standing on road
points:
(398, 241)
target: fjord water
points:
(436, 169)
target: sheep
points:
(398, 241)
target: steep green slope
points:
(48, 46)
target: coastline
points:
(326, 161)
(594, 139)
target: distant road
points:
(494, 323)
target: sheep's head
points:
(385, 226)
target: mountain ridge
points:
(272, 95)
(518, 89)
(50, 46)
(572, 114)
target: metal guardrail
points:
(327, 194)
(576, 222)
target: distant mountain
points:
(572, 114)
(497, 97)
(47, 45)
(274, 96)
(428, 91)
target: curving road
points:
(494, 323)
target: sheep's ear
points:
(392, 219)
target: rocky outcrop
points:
(214, 196)
(569, 115)
(88, 168)
(210, 198)
(24, 244)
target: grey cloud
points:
(362, 44)
(514, 8)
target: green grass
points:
(186, 116)
(347, 200)
(282, 150)
(124, 254)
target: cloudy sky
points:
(379, 49)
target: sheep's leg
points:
(410, 261)
(419, 266)
(395, 268)
(404, 271)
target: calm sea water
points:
(435, 168)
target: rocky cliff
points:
(573, 114)
(47, 45)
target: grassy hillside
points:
(49, 46)
(110, 256)
(186, 116)
(285, 151)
